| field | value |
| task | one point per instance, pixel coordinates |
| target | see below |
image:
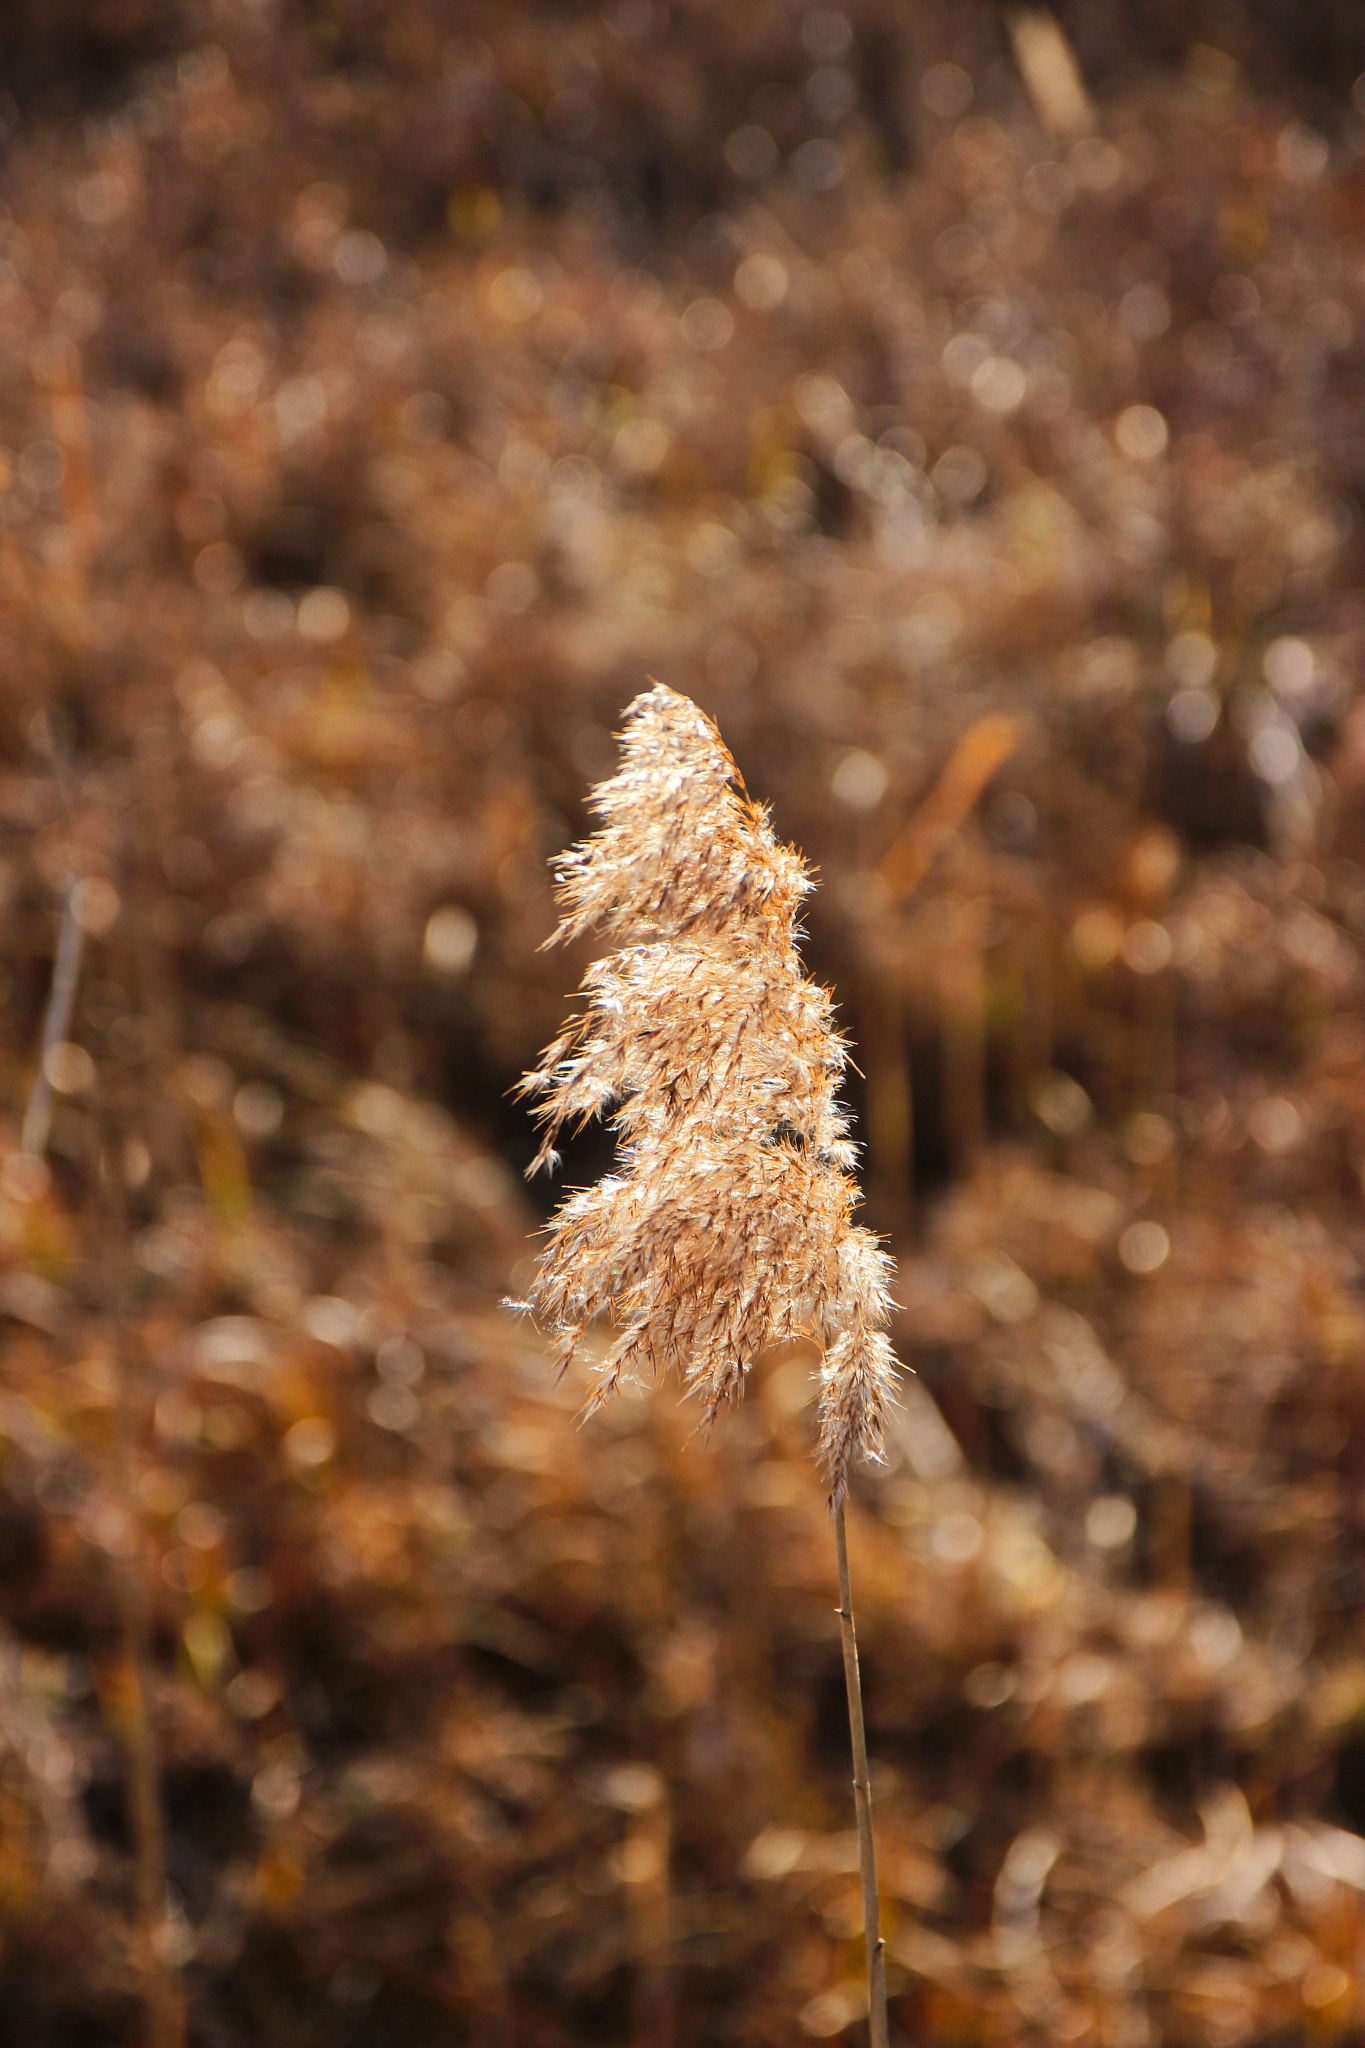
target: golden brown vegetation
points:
(380, 399)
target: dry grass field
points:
(965, 409)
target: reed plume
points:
(727, 1224)
(726, 1227)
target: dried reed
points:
(726, 1227)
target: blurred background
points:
(964, 406)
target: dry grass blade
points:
(982, 750)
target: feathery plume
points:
(726, 1226)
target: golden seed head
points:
(726, 1227)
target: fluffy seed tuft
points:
(727, 1226)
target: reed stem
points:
(862, 1799)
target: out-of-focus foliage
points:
(384, 391)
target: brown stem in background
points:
(962, 1016)
(862, 1799)
(890, 1097)
(161, 1988)
(1171, 1524)
(1042, 942)
(1156, 1057)
(162, 1991)
(649, 1899)
(61, 1002)
(1019, 1034)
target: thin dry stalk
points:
(61, 1002)
(161, 1989)
(862, 1800)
